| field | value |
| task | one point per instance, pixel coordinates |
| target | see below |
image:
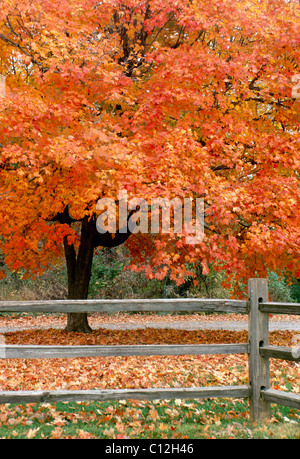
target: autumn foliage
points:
(161, 99)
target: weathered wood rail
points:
(134, 305)
(258, 350)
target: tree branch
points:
(113, 239)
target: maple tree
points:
(174, 99)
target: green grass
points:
(220, 418)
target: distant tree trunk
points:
(79, 275)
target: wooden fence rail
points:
(47, 352)
(258, 349)
(134, 305)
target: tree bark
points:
(79, 274)
(78, 322)
(79, 266)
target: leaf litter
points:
(123, 320)
(139, 418)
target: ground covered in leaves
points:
(138, 320)
(139, 419)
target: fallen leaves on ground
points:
(133, 372)
(96, 320)
(140, 336)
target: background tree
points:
(173, 99)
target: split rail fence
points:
(258, 349)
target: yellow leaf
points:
(109, 432)
(162, 426)
(153, 414)
(32, 432)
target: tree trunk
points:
(78, 322)
(79, 275)
(79, 265)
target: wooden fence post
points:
(258, 333)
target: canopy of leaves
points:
(161, 99)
